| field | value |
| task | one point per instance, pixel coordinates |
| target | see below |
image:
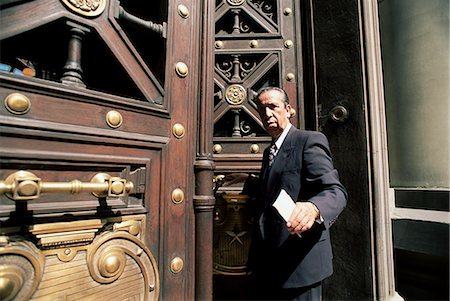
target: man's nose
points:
(268, 112)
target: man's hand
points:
(302, 217)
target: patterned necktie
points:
(272, 152)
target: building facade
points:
(129, 130)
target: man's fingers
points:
(302, 218)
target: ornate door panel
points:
(257, 44)
(96, 149)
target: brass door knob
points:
(24, 186)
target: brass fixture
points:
(86, 8)
(290, 76)
(183, 11)
(293, 112)
(176, 265)
(339, 113)
(253, 43)
(254, 148)
(111, 262)
(235, 94)
(17, 103)
(114, 119)
(218, 44)
(287, 11)
(217, 148)
(178, 130)
(181, 69)
(235, 2)
(288, 44)
(24, 186)
(177, 196)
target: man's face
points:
(274, 112)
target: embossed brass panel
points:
(113, 264)
(232, 233)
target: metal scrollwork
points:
(244, 28)
(113, 253)
(246, 68)
(237, 67)
(225, 67)
(265, 7)
(245, 127)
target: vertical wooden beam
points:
(204, 166)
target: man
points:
(289, 259)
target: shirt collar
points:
(283, 135)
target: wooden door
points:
(97, 148)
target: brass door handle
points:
(24, 186)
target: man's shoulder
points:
(306, 134)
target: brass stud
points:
(287, 11)
(290, 76)
(288, 44)
(178, 130)
(176, 265)
(217, 148)
(181, 69)
(111, 263)
(218, 44)
(183, 11)
(293, 112)
(114, 119)
(177, 196)
(17, 103)
(253, 43)
(254, 149)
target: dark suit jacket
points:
(304, 168)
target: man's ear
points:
(289, 110)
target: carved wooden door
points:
(97, 132)
(257, 44)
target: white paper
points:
(284, 204)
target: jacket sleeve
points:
(321, 179)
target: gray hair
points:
(265, 89)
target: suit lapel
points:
(272, 174)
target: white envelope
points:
(284, 204)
